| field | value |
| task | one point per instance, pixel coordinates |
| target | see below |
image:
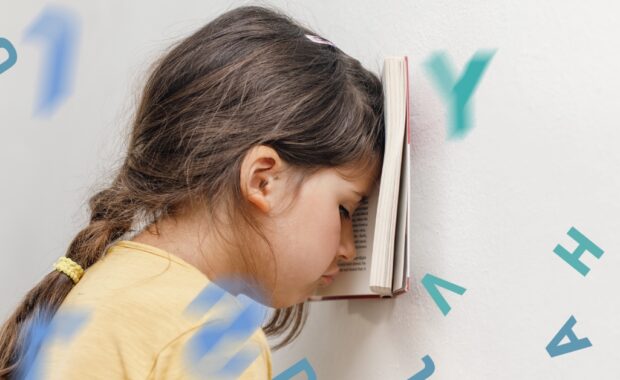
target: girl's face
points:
(314, 233)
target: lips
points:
(328, 278)
(332, 273)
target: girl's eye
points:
(344, 212)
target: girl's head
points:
(264, 133)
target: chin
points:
(282, 304)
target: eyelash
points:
(344, 212)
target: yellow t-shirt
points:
(136, 328)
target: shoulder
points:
(137, 295)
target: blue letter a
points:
(554, 348)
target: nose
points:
(346, 251)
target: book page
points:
(400, 248)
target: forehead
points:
(363, 178)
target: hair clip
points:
(319, 40)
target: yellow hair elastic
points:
(70, 268)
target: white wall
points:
(487, 210)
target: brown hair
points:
(248, 77)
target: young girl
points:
(253, 144)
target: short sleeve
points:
(174, 361)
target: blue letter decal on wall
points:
(57, 28)
(584, 245)
(301, 366)
(11, 59)
(554, 348)
(39, 331)
(458, 93)
(429, 369)
(210, 350)
(431, 282)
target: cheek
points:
(308, 242)
(312, 238)
(323, 233)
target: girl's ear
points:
(259, 170)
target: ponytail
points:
(109, 221)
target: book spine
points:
(408, 158)
(335, 298)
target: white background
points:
(543, 155)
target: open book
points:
(380, 224)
